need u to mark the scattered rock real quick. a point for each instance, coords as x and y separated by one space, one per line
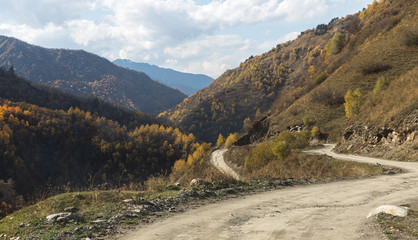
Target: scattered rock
130 200
389 209
71 209
99 221
64 217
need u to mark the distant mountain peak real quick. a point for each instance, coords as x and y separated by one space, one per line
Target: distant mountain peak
188 83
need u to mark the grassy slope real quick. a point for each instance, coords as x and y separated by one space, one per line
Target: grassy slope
384 47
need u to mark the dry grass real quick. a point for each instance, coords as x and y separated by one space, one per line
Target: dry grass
380 52
313 167
410 36
385 107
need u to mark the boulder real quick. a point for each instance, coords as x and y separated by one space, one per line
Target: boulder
389 209
198 182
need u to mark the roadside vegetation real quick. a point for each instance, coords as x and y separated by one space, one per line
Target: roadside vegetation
397 228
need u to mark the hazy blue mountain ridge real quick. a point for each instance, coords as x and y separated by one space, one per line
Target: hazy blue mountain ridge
188 83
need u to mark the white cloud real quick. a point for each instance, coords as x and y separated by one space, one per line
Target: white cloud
182 34
30 34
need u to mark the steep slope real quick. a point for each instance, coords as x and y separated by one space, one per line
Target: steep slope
242 95
384 47
185 82
303 82
82 73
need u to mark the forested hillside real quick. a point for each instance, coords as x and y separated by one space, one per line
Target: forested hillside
17 89
245 94
85 74
53 146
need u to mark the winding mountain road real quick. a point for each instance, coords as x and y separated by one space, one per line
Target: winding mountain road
335 210
217 160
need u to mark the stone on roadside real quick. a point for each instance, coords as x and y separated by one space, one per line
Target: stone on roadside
198 182
389 209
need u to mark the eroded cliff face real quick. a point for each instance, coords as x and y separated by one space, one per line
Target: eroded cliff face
396 142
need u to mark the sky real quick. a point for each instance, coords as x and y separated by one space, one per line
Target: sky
195 36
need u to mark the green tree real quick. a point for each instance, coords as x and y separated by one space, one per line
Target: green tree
353 102
335 44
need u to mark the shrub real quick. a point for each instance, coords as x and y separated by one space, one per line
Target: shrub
259 157
335 44
328 97
380 84
280 149
296 140
156 183
302 139
354 26
306 121
353 102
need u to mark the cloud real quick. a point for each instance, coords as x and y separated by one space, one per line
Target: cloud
199 36
30 34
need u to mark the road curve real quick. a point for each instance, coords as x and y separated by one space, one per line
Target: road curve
217 160
335 210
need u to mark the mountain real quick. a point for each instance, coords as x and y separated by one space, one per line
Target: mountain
82 73
304 82
17 89
186 82
45 144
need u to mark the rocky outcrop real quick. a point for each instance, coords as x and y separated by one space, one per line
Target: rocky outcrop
397 143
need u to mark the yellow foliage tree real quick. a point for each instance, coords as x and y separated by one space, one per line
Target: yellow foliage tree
353 102
232 138
315 133
220 141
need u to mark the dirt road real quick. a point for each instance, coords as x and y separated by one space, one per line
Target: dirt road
325 211
217 160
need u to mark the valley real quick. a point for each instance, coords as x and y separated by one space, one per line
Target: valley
299 142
